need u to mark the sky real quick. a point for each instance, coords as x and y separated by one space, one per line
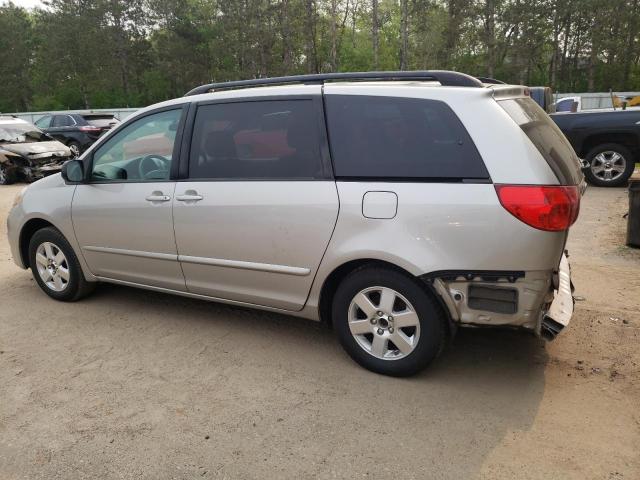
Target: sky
25 3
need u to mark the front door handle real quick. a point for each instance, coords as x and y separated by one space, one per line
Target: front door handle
157 197
189 196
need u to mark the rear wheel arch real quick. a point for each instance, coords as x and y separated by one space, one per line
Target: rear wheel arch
333 280
27 232
627 140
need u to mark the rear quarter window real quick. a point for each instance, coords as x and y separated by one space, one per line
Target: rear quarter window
399 138
546 137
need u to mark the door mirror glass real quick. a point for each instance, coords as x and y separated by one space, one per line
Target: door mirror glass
73 171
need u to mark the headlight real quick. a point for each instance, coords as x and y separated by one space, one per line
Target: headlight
18 199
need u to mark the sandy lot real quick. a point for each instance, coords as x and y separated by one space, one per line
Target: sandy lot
133 384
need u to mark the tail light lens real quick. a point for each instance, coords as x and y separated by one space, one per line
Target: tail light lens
549 208
89 129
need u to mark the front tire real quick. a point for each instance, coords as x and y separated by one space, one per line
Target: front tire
75 148
387 322
55 266
610 165
6 178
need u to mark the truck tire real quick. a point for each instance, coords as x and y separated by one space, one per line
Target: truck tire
610 165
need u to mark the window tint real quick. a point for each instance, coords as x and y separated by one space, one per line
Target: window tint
389 137
63 121
547 138
141 151
44 122
260 139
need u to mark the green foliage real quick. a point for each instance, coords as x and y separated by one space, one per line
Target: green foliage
118 53
16 44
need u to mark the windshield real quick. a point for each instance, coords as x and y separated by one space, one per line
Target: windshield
21 133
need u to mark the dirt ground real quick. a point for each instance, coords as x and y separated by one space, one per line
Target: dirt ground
133 384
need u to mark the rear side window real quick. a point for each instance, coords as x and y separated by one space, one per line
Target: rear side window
547 138
404 138
44 122
256 140
63 121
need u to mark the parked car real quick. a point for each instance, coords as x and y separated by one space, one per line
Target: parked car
609 141
26 153
385 208
77 131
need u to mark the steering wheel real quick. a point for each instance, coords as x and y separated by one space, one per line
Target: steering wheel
153 167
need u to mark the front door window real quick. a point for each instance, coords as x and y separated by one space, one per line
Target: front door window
140 152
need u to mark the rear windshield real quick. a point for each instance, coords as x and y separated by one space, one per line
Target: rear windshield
100 120
399 138
547 138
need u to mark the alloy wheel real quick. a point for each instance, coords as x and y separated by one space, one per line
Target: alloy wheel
384 323
608 165
52 266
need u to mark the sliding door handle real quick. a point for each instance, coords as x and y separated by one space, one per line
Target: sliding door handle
189 196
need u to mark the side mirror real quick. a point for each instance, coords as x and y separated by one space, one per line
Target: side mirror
73 171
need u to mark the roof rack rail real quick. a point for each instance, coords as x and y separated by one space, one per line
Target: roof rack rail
444 77
491 81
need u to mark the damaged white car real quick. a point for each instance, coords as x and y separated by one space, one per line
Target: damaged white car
27 153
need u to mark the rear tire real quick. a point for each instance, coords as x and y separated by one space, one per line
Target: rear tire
55 266
610 165
387 322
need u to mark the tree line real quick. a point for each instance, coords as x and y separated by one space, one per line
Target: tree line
119 53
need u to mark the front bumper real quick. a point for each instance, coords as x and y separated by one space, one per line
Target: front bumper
13 234
561 310
46 169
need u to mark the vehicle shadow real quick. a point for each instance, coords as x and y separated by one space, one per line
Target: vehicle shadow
288 382
192 386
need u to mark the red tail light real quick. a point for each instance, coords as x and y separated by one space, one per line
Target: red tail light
550 208
89 129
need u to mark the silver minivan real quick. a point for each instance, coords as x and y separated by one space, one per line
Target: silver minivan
395 206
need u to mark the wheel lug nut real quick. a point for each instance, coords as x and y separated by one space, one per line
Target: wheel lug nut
380 331
390 318
374 321
380 313
390 329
